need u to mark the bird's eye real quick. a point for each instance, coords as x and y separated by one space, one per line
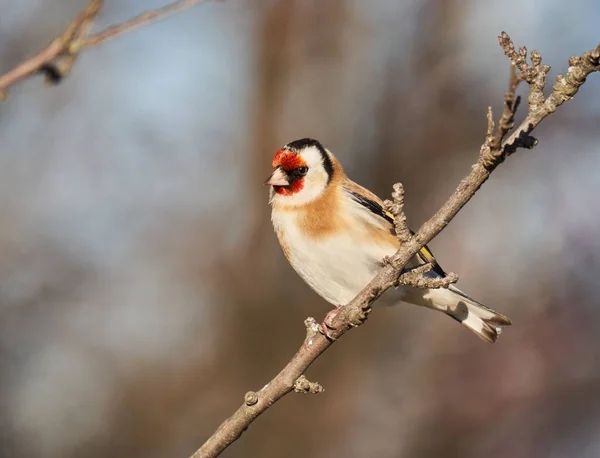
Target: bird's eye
302 170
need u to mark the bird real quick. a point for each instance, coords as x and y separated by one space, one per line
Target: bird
336 234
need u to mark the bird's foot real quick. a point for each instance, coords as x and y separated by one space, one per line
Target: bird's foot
327 326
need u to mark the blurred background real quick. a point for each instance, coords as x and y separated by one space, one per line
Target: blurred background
142 289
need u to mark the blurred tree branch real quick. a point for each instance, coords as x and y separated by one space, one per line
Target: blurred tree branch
499 143
56 60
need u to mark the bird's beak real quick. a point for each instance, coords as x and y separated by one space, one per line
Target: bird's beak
278 178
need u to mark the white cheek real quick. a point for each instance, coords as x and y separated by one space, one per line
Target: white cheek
315 181
314 184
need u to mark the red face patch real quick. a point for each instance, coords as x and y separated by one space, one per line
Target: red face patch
293 188
288 161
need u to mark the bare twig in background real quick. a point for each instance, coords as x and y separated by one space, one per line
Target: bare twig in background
139 21
493 152
56 60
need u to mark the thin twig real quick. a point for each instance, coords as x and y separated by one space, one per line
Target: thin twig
396 208
354 313
416 278
511 104
56 60
49 61
141 20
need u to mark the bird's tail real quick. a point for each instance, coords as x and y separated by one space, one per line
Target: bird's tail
484 322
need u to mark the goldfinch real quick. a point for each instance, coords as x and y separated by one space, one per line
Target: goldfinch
335 234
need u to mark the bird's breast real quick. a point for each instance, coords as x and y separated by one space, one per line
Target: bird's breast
337 263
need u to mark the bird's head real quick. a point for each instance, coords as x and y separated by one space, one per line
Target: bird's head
302 170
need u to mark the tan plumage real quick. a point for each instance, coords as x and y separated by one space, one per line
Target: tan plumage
335 233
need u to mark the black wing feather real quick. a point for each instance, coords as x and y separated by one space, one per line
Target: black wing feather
372 206
425 255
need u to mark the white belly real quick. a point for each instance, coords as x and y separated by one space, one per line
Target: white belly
336 267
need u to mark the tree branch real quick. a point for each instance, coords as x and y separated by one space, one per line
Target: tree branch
493 152
56 60
417 278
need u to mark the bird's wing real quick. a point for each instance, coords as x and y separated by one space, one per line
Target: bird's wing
375 205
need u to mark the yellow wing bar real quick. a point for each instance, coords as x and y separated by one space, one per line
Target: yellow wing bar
425 253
